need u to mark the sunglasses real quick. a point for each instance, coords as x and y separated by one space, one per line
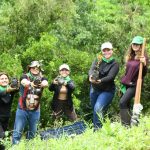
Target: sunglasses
106 50
64 69
135 44
35 68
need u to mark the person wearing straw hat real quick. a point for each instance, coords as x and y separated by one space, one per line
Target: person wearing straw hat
101 76
28 111
129 80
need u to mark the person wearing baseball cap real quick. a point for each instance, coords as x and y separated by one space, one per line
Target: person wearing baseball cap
63 87
129 80
101 76
106 45
137 40
64 66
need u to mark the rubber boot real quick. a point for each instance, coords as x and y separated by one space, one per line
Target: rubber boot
125 117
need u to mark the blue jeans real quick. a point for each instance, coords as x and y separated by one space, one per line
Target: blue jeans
24 117
100 100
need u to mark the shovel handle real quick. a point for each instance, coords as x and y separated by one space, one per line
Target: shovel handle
139 81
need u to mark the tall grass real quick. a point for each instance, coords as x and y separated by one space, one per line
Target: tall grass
112 136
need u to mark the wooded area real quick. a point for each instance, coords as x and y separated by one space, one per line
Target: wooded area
70 31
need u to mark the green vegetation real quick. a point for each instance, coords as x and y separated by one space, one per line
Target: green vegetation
112 136
71 31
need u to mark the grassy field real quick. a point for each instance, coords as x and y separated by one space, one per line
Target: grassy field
111 137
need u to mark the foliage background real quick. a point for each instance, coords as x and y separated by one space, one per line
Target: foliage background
70 31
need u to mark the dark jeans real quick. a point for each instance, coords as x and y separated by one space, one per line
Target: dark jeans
100 100
63 108
126 98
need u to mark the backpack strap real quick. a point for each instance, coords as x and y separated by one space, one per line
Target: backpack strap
23 97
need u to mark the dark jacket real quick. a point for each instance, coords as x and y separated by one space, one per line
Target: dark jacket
107 74
56 88
5 103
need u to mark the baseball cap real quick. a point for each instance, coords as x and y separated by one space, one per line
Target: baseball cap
64 66
137 40
106 45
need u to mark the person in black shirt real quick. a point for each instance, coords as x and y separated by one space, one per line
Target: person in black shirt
101 75
63 87
6 98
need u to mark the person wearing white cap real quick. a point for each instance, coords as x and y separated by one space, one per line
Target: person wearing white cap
63 87
28 111
101 76
64 66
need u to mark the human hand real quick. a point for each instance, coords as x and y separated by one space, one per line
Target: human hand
65 83
98 81
91 79
44 83
25 82
10 89
143 60
55 81
94 81
32 84
137 108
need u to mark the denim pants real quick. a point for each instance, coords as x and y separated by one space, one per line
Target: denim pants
100 100
23 118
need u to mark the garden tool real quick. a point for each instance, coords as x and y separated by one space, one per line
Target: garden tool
137 107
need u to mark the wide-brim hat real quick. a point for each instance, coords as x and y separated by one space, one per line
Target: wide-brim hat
35 64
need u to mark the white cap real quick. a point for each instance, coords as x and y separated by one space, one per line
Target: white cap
106 45
64 66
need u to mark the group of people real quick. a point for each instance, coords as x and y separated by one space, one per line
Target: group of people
30 89
102 89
